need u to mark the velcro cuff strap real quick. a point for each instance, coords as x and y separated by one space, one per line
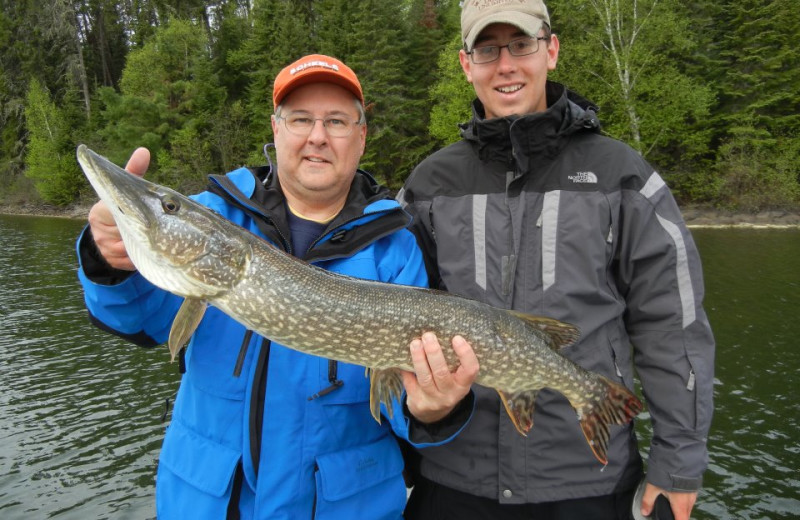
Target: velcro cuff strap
686 483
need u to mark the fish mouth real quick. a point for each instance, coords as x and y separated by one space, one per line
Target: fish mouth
124 193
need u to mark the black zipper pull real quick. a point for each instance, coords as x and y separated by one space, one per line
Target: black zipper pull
325 391
335 383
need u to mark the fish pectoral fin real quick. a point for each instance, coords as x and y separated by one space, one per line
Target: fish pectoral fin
185 323
384 386
609 403
519 407
562 334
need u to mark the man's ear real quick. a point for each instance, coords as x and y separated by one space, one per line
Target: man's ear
552 52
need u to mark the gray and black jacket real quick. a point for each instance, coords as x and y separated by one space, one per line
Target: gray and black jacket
545 215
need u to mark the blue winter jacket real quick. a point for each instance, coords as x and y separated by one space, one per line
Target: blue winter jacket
258 429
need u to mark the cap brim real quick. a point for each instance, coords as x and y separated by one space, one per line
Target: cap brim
319 76
528 23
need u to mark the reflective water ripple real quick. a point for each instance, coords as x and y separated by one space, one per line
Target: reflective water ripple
80 411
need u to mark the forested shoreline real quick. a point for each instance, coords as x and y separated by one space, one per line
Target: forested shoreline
708 92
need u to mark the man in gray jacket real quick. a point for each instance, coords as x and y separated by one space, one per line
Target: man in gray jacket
535 210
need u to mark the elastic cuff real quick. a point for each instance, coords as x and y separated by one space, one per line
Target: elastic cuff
443 429
95 266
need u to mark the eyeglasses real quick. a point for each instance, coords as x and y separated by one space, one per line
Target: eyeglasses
302 124
519 47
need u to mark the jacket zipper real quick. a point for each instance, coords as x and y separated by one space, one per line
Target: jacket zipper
256 413
237 370
314 502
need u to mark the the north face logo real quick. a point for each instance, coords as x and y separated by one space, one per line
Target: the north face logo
583 178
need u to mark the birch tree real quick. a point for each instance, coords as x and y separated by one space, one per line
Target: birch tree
629 57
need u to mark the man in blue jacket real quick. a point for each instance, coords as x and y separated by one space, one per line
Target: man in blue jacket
259 430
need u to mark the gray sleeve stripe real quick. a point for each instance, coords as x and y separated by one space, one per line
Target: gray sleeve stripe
654 183
549 237
479 238
682 271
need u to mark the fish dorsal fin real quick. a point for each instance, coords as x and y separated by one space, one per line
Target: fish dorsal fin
562 334
185 323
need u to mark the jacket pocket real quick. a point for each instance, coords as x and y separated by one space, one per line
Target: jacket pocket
203 464
364 481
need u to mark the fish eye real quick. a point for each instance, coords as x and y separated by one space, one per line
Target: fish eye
170 204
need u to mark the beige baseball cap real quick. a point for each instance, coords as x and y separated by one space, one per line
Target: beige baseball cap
476 15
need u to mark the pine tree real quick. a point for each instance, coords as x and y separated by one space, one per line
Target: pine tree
758 117
280 35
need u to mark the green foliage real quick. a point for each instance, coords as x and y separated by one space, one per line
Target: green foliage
127 122
187 163
229 136
170 94
280 35
451 96
382 72
626 56
707 91
50 154
759 172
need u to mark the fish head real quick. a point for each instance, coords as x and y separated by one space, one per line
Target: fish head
176 243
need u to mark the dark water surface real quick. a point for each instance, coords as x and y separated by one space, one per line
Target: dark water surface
753 303
80 411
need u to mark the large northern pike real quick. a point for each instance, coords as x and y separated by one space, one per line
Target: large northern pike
186 249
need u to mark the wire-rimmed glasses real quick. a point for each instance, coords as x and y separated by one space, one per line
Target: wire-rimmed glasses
301 124
518 47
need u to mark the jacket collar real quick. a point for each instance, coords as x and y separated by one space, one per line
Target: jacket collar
369 212
545 133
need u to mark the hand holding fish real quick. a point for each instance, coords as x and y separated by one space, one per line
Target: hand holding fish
435 391
103 226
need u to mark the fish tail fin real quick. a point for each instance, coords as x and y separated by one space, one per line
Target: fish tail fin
610 403
519 407
384 386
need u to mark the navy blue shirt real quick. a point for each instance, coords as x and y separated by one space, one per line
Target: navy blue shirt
303 232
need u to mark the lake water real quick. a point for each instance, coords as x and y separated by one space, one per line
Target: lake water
81 411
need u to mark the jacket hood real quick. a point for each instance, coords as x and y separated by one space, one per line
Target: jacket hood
370 212
540 133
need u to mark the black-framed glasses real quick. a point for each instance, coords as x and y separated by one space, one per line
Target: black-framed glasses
301 124
518 47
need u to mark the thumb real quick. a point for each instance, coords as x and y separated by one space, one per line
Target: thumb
139 161
649 498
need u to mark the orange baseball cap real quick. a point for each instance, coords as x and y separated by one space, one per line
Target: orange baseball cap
315 68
